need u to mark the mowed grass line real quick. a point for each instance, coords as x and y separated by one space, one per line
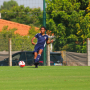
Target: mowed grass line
45 78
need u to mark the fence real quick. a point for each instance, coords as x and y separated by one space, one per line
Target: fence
74 59
69 58
77 59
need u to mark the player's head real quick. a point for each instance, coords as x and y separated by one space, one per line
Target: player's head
43 29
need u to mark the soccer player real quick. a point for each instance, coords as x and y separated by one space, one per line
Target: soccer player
42 40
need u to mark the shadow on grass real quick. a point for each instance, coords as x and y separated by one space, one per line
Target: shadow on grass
31 67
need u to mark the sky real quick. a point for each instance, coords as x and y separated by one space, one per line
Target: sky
30 3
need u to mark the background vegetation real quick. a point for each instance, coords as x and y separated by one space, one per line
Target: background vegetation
19 43
67 19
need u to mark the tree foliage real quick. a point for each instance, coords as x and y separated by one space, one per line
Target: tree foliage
8 5
68 20
24 15
83 4
18 42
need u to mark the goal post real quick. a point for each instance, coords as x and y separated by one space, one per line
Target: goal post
44 24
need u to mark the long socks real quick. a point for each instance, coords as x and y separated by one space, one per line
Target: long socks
38 57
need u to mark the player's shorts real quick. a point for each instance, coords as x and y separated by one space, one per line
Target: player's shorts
37 48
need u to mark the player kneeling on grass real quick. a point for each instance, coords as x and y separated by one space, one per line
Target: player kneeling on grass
42 40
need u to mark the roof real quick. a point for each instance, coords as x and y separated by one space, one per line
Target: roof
22 29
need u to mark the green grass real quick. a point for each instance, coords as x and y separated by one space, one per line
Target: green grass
45 78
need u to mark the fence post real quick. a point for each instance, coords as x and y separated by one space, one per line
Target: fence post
63 54
10 52
88 51
48 55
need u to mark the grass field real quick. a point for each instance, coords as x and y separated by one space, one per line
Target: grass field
45 78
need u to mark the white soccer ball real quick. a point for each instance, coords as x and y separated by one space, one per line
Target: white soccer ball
21 63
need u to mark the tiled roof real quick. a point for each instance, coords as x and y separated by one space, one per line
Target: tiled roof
22 29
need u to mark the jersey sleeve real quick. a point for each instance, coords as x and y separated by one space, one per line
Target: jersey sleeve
36 35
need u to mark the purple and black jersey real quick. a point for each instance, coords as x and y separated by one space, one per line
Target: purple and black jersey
41 42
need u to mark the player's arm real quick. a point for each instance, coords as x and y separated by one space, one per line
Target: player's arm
48 42
33 40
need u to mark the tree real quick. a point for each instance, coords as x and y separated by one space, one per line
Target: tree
24 15
7 33
18 42
88 16
8 5
66 19
83 4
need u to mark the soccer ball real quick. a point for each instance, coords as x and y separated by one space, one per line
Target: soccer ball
21 63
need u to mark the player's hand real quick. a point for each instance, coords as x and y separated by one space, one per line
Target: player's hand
33 43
